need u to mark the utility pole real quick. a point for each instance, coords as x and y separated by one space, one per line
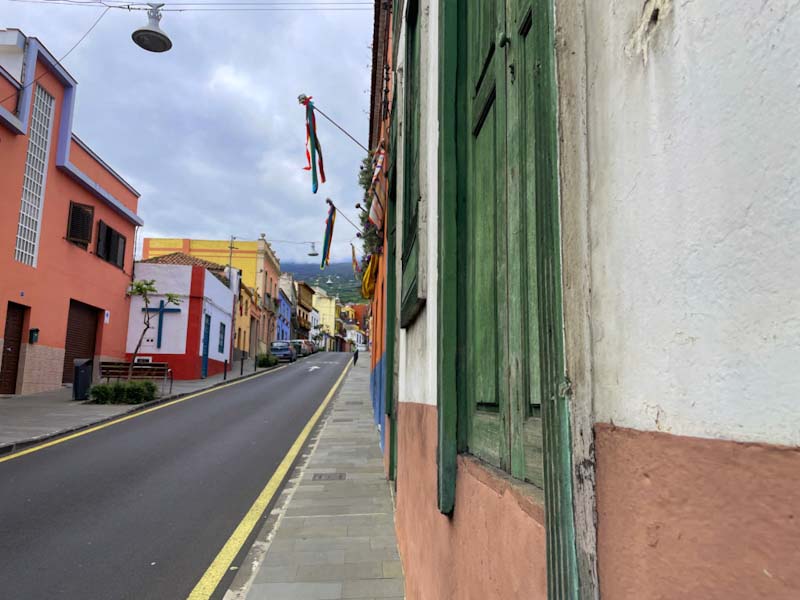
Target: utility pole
235 296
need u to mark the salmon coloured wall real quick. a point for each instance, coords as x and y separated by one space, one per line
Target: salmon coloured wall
63 271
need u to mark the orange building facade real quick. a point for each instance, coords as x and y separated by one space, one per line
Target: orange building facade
381 322
67 229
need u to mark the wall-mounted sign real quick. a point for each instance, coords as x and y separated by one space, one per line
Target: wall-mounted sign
107 317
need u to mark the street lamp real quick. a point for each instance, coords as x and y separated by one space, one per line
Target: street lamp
150 37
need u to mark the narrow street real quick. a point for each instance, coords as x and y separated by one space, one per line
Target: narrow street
141 508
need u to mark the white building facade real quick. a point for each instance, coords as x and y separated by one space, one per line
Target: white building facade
194 336
666 140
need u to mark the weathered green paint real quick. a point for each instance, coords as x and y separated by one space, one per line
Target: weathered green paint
391 317
562 580
390 299
451 113
500 150
410 302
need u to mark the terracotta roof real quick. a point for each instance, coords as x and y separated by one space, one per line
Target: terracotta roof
179 258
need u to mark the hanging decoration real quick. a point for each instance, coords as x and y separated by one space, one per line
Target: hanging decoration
326 243
370 277
356 266
313 147
376 211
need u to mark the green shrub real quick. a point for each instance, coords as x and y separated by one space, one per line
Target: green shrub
267 360
124 392
101 394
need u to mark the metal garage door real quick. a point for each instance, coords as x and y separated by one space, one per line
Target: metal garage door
81 333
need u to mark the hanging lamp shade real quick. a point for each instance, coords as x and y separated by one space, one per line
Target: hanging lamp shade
151 37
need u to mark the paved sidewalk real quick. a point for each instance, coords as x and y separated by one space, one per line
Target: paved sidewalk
335 538
26 419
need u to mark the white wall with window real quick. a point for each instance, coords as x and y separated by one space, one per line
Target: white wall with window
218 303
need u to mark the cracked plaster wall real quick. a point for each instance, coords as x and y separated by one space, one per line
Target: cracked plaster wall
694 159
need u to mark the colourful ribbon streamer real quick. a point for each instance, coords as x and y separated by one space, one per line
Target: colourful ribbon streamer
356 267
326 243
313 147
376 212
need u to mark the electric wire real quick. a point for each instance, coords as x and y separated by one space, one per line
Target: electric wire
83 37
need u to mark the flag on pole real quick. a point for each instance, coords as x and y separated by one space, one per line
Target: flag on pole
313 147
326 243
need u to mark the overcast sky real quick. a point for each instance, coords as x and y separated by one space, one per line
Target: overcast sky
210 133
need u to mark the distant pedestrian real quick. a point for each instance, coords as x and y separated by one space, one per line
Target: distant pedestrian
355 356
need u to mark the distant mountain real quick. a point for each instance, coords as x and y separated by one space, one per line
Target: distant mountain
344 284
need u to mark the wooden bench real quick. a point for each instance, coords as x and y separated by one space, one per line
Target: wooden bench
141 371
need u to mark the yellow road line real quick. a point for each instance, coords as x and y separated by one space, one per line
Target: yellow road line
219 567
127 417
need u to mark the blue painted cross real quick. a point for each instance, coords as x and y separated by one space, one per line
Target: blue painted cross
161 310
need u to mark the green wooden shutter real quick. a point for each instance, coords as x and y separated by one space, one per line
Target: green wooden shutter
500 211
410 302
526 246
485 257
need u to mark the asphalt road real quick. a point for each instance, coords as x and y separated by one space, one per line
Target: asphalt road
140 509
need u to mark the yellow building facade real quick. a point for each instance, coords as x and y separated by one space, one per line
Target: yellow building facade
327 307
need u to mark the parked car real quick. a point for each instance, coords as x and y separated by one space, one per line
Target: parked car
299 347
283 351
361 347
309 345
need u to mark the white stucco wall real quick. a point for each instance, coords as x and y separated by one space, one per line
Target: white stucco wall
217 302
694 160
11 55
418 344
175 279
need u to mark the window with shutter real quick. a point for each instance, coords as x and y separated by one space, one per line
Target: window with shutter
102 240
79 224
120 251
110 245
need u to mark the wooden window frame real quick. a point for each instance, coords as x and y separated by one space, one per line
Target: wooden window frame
73 239
221 344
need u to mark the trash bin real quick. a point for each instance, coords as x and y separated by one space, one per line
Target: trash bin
82 378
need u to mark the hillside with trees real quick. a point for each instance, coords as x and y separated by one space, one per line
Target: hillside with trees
343 283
